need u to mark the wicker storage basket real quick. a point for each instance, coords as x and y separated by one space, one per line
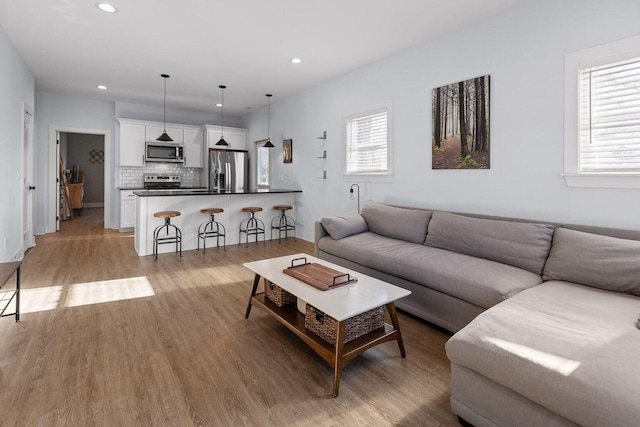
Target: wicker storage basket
326 327
278 295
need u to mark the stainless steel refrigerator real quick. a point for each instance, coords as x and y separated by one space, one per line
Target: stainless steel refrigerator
228 170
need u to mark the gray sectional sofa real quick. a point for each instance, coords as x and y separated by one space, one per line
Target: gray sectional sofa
545 315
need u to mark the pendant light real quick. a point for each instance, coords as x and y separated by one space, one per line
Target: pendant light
164 136
222 141
268 144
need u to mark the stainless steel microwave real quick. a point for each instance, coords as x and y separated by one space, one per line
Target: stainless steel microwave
169 152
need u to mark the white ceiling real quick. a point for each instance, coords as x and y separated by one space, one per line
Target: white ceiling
71 46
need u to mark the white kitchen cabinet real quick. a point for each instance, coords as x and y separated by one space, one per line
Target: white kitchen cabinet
132 138
154 131
236 137
193 151
127 209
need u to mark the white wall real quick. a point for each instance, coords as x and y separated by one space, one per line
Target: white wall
65 112
16 88
523 51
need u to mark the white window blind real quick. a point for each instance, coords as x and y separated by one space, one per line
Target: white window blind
367 143
610 117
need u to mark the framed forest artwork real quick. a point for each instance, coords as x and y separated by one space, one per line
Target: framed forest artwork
460 131
287 150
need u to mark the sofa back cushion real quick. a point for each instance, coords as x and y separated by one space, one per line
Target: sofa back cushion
520 244
345 225
600 261
405 224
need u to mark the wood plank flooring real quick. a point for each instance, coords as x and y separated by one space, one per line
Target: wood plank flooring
110 338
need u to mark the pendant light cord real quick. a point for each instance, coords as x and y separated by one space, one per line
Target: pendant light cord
164 106
222 112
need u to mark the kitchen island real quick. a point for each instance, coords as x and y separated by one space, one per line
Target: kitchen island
189 202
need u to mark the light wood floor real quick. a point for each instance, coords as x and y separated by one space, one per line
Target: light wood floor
110 338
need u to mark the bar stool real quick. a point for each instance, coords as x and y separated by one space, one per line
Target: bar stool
283 223
176 238
211 228
251 225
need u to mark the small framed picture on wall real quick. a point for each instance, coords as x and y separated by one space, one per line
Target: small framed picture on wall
287 151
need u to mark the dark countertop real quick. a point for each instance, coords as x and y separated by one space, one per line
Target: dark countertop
142 188
206 192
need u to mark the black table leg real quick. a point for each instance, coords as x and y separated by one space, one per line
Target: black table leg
256 281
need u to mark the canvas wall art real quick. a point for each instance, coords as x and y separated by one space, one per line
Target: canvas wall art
460 127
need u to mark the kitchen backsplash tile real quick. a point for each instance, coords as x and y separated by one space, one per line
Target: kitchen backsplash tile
131 176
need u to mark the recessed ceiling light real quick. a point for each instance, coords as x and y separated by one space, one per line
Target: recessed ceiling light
218 105
102 87
296 60
106 7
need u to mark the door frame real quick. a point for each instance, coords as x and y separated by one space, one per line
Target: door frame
28 179
54 173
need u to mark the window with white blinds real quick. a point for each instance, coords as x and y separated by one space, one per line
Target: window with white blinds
610 117
367 142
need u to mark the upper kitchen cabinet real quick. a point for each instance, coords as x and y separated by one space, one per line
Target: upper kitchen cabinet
154 131
132 138
193 152
236 137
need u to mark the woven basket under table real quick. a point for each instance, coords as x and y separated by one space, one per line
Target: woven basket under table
326 327
279 296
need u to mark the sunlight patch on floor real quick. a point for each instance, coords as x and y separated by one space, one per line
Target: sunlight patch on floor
40 299
108 291
78 294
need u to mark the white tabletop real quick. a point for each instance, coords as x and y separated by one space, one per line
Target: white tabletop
340 303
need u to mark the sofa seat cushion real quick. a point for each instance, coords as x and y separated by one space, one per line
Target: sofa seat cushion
570 348
477 281
520 244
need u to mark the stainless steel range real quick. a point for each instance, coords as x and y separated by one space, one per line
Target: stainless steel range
155 181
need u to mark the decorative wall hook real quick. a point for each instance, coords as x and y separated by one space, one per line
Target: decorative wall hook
324 135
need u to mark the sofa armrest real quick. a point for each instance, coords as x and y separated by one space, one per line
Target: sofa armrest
319 234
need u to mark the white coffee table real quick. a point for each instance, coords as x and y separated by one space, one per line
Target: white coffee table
340 303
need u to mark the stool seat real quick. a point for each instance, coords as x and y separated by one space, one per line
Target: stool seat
166 214
211 210
252 209
283 207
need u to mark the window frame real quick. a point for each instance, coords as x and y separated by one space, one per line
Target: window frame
258 147
363 112
599 55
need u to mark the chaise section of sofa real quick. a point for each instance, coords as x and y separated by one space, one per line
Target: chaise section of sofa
561 353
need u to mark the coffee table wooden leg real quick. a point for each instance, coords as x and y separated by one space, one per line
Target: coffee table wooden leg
338 361
256 282
396 325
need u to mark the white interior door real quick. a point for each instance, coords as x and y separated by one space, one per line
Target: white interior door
28 239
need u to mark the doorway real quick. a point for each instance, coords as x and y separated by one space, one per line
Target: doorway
82 158
28 162
55 134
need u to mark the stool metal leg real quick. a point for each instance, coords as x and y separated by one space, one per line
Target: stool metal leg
284 224
206 229
157 240
251 225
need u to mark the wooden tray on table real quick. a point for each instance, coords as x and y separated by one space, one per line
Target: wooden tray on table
317 275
